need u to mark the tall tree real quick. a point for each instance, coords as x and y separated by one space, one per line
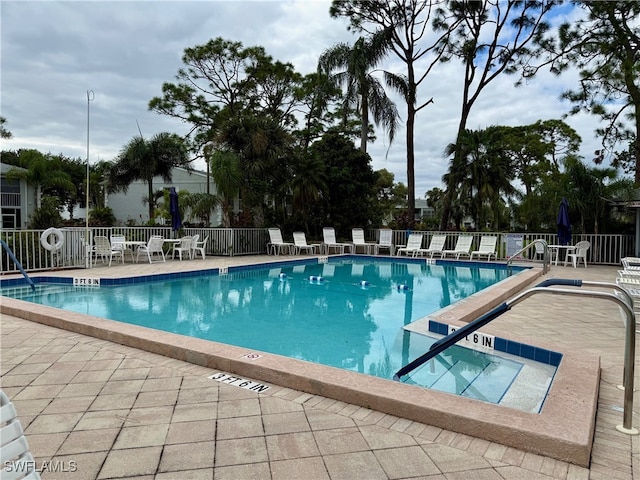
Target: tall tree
348 201
227 174
144 159
364 90
605 47
407 22
4 133
308 181
485 174
493 37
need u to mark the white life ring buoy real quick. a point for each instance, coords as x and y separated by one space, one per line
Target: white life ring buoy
59 239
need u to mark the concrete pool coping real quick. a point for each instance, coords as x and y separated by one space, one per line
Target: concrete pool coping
563 430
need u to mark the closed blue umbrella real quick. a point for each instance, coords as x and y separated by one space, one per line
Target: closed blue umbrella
174 210
564 225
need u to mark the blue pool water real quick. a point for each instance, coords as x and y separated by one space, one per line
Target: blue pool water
347 314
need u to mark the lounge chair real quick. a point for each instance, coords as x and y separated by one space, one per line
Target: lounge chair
385 242
153 247
631 263
197 246
300 242
185 246
435 246
102 248
487 248
357 235
414 243
277 244
17 460
463 247
330 242
579 253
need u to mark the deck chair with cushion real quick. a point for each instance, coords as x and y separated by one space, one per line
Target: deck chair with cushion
17 460
385 242
463 247
631 263
357 235
436 245
487 248
300 242
579 253
153 247
277 245
330 242
414 243
102 248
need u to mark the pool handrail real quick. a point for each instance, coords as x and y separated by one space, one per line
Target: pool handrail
623 299
18 264
546 259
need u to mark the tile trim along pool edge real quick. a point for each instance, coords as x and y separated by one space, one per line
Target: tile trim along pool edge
563 430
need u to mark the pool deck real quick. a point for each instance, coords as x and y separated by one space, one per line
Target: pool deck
111 411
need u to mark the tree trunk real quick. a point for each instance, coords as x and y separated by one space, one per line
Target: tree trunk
150 193
411 182
364 123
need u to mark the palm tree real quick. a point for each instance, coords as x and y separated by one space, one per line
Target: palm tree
483 175
143 160
4 133
364 91
40 172
227 175
308 180
201 205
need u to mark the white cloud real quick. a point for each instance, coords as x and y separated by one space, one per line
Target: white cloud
54 51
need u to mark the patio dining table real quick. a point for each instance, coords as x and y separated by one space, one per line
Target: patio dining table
554 251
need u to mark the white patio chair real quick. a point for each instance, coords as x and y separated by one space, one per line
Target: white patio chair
487 248
436 245
118 243
357 235
463 247
17 462
102 248
277 244
539 251
300 242
153 247
200 247
414 243
185 246
385 242
579 253
330 242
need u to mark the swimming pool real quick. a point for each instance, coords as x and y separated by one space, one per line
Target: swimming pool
563 429
346 313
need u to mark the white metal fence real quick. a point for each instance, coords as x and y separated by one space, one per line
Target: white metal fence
26 246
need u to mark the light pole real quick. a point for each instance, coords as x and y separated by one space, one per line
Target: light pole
87 241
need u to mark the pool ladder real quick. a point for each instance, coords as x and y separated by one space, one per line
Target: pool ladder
18 264
621 297
546 258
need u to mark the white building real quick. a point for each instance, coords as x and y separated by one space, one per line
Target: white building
16 199
129 207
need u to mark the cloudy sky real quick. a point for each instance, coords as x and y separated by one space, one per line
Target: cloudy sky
53 52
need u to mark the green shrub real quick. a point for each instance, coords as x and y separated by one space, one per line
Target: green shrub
102 217
48 215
